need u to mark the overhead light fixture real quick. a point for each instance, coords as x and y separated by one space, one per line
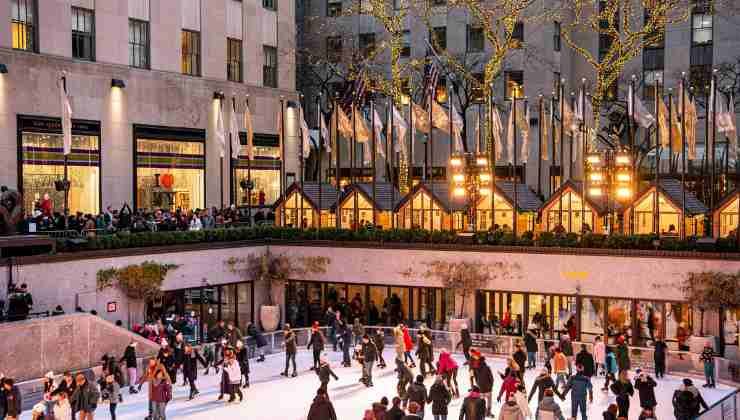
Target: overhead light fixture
3 69
219 95
116 83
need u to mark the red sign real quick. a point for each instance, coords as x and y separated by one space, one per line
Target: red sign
112 306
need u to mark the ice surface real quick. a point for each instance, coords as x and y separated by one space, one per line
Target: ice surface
272 396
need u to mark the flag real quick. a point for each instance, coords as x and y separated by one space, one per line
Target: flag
361 129
280 132
401 128
345 125
457 126
640 114
421 118
545 122
497 129
663 123
709 151
477 133
726 124
569 118
378 128
675 127
66 117
523 124
221 130
305 134
250 133
234 132
353 93
690 121
431 76
324 132
440 119
510 137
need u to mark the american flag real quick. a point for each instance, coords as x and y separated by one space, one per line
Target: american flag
431 77
354 92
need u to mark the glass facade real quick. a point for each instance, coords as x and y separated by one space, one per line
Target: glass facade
23 24
306 302
200 308
728 218
356 208
570 214
170 174
294 216
42 165
669 222
422 213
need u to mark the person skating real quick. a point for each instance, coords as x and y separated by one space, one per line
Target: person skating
84 399
346 342
160 394
623 354
291 348
218 336
232 334
707 358
178 352
548 407
259 340
61 409
424 352
645 386
357 331
508 387
405 376
440 397
510 411
687 401
473 406
585 359
579 385
167 358
11 400
560 368
321 407
224 387
466 341
242 357
148 376
530 343
611 368
379 340
233 377
190 368
129 357
417 393
483 379
566 346
408 344
395 412
599 356
317 341
110 392
611 412
542 383
370 353
325 373
400 343
447 368
520 357
623 390
659 355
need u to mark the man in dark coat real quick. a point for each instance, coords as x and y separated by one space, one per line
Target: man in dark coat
622 354
84 399
291 348
586 359
405 376
530 343
466 341
11 401
190 368
473 406
541 384
520 357
346 338
370 354
424 352
317 342
395 412
687 401
659 357
379 340
418 392
167 359
325 373
259 340
645 386
321 408
483 379
439 397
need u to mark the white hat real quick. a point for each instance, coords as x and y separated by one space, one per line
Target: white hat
239 343
464 326
49 375
39 408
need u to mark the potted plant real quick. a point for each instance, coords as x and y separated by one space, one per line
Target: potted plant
464 278
271 271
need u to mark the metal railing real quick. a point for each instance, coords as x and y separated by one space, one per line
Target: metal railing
724 409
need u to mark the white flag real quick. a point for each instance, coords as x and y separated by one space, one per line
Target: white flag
457 126
221 130
510 137
726 123
66 118
378 127
324 132
525 136
250 132
401 128
639 113
234 132
305 135
497 128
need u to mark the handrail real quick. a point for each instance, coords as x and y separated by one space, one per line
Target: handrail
717 410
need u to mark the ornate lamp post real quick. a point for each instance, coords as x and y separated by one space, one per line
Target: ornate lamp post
609 175
471 179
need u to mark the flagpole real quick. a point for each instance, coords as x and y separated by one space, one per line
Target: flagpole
337 170
670 131
391 156
221 160
282 159
410 151
302 159
562 149
583 162
232 167
249 171
372 113
320 124
550 183
572 139
656 206
514 213
353 152
683 155
492 157
431 153
714 143
633 154
539 147
66 167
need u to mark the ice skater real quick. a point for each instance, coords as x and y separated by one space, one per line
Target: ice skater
259 340
317 341
408 344
190 368
242 357
233 375
405 376
325 373
379 340
370 354
289 342
425 352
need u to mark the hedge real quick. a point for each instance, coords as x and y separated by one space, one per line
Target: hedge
123 240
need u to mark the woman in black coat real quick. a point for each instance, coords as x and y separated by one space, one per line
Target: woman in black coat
242 356
439 397
259 340
645 386
190 368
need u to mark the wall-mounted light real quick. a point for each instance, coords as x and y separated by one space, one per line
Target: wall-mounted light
219 95
117 83
3 69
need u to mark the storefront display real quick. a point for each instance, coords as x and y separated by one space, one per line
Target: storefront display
263 172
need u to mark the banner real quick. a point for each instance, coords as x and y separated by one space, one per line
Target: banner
66 117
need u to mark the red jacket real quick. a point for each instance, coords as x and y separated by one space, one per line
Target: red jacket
508 387
446 363
407 339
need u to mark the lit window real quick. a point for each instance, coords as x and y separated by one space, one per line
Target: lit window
406 44
334 49
83 34
23 24
701 28
269 4
190 53
333 8
514 84
170 174
517 35
367 44
234 60
138 43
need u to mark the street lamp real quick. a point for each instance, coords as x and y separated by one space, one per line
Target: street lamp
472 179
609 175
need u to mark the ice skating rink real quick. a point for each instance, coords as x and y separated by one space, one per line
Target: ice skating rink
275 397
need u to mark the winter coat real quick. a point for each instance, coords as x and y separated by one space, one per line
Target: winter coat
316 341
707 356
510 411
587 360
129 356
540 385
417 393
369 351
622 389
445 363
217 333
599 352
110 392
150 374
11 402
566 346
85 398
660 351
530 342
523 403
190 364
646 391
242 356
379 340
291 346
520 357
623 357
424 347
548 404
483 377
580 385
400 342
440 398
465 340
233 371
379 410
407 343
62 410
687 402
473 407
161 390
404 373
395 413
611 363
259 339
509 387
232 336
559 363
321 409
325 372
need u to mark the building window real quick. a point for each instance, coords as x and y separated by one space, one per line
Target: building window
190 53
83 34
653 63
367 44
406 44
400 4
42 166
440 91
269 4
517 34
514 84
334 49
138 43
556 83
234 60
269 68
438 38
556 37
476 41
701 28
23 24
333 8
478 93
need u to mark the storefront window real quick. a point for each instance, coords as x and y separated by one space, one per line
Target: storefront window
170 174
539 318
649 321
228 303
728 219
571 213
296 217
43 166
266 186
399 305
364 211
669 216
244 305
426 213
678 321
504 215
564 313
619 319
592 318
732 325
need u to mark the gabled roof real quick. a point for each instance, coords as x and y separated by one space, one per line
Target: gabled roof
729 197
439 192
598 204
526 199
386 195
311 194
671 190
